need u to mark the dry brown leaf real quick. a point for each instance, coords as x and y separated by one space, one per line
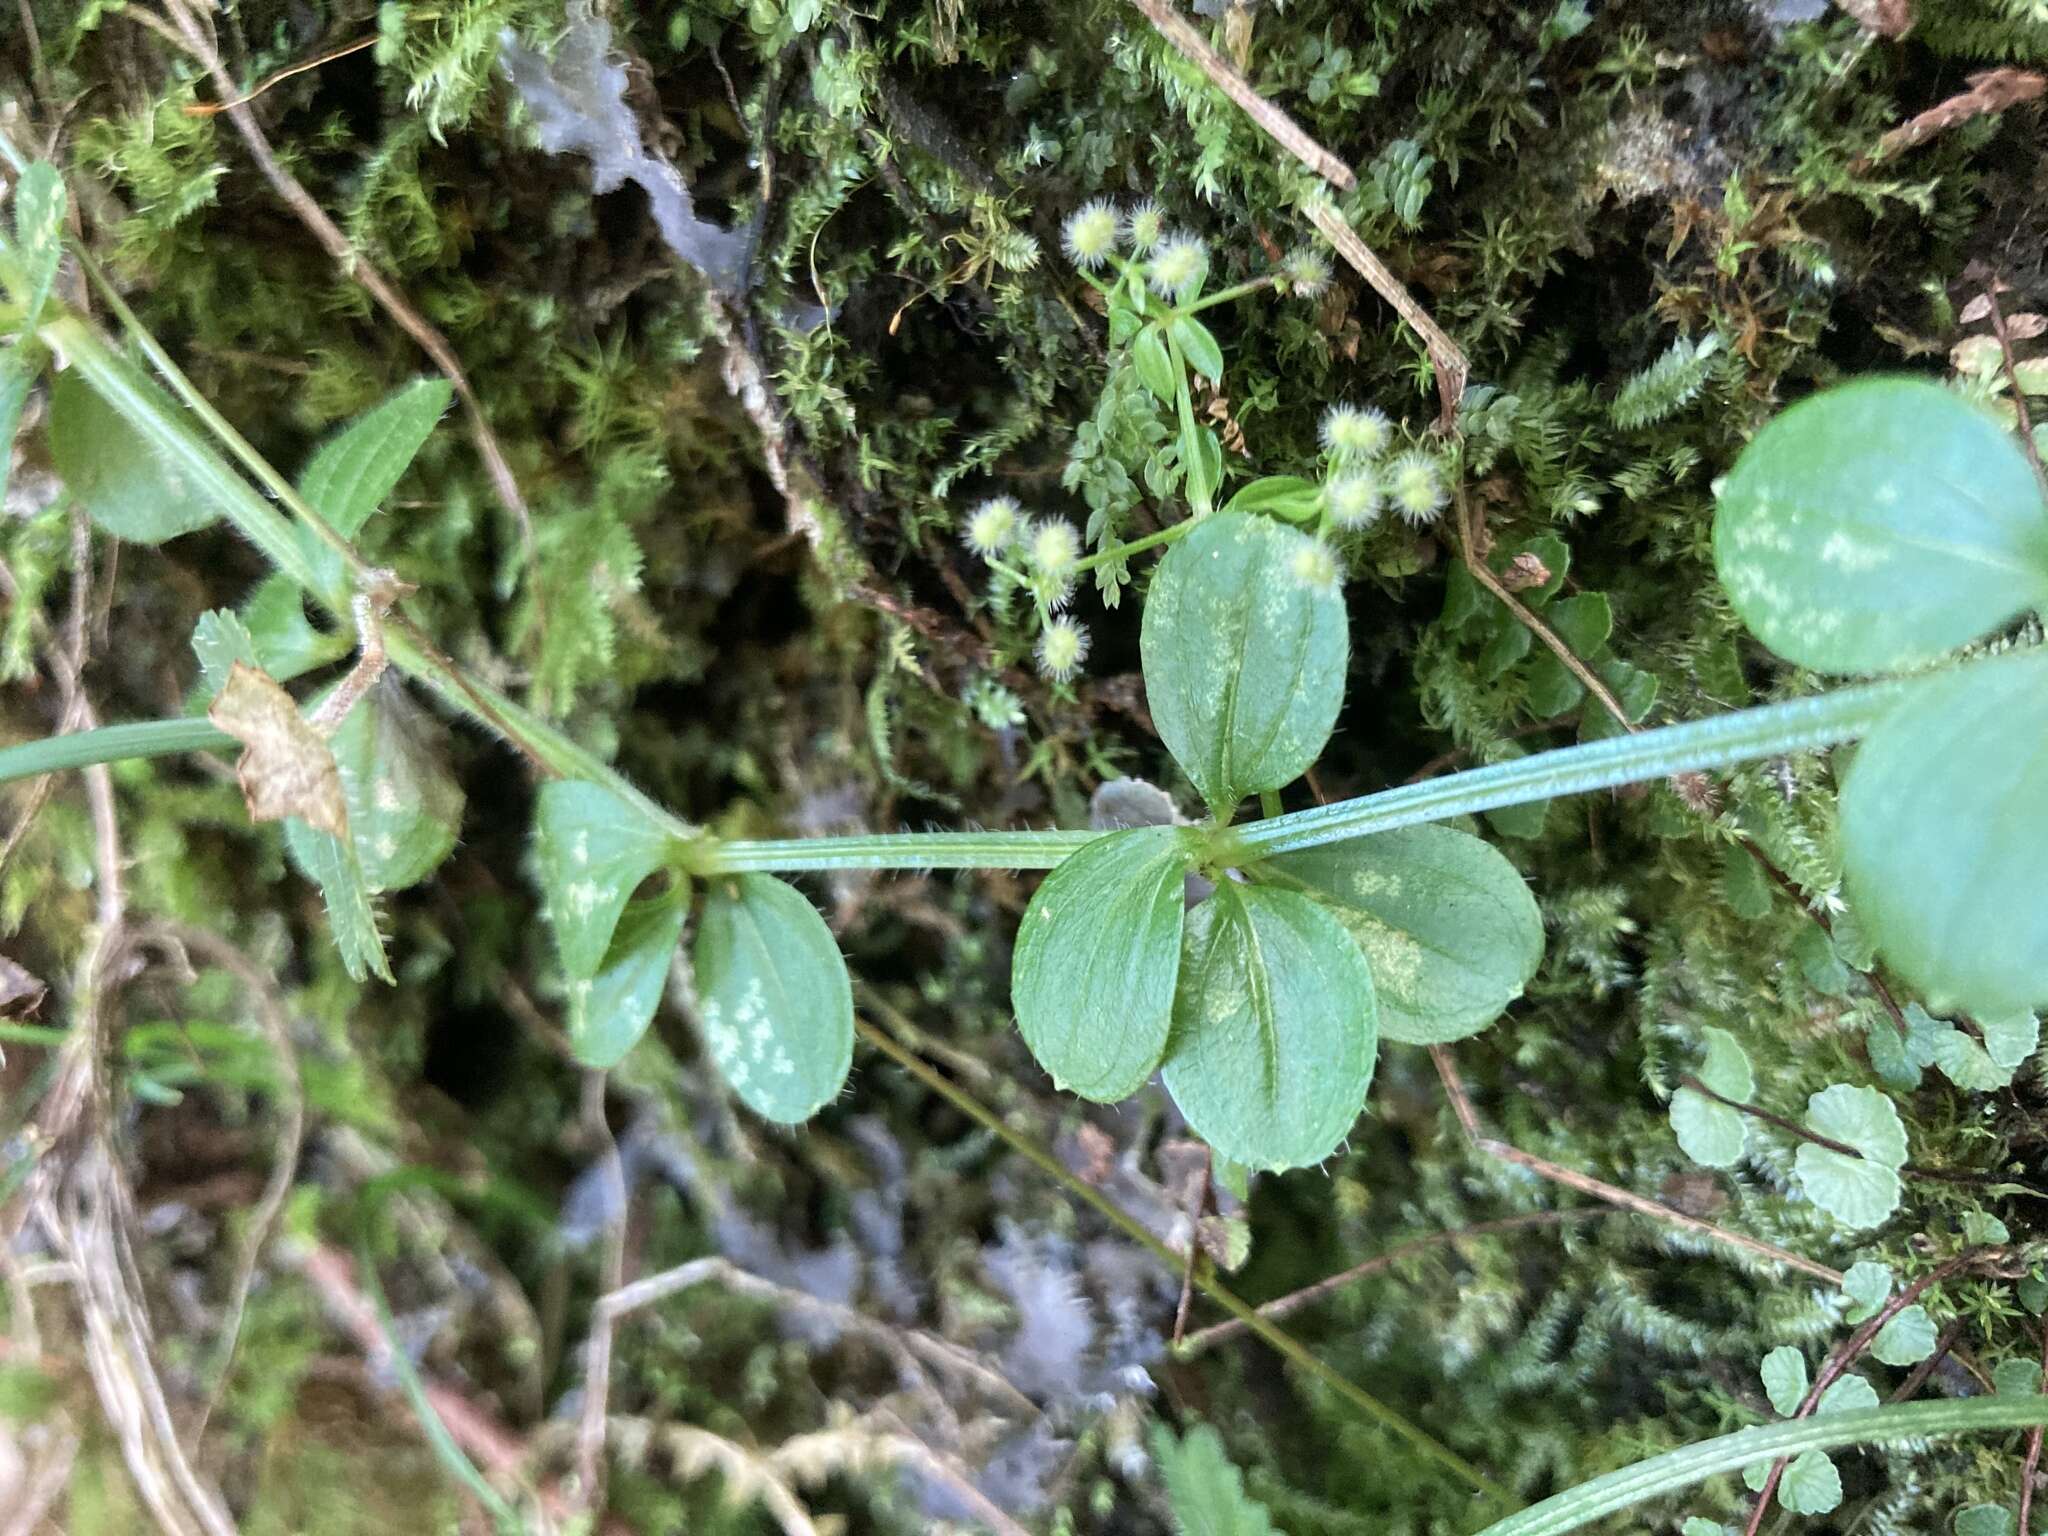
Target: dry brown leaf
21 993
1887 18
286 768
1523 572
1991 90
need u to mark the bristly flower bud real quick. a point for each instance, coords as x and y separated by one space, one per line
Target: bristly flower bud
1415 486
992 526
1055 548
1090 234
1314 565
1062 647
1145 227
1354 499
1305 272
1356 432
1177 268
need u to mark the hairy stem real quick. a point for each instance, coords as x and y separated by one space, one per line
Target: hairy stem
1674 1470
1700 744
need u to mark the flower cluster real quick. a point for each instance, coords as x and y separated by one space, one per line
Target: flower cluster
1363 483
1043 557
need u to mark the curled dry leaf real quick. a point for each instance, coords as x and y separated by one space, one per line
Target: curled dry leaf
286 768
21 992
1991 90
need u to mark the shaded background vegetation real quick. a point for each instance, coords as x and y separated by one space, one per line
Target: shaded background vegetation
1648 225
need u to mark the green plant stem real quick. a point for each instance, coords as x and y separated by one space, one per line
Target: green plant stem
1136 546
1691 1464
1225 295
1280 1340
1700 744
111 744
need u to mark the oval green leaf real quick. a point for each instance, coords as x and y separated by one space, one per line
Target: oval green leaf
609 1012
1244 661
777 1007
356 469
1446 922
1287 496
1097 956
1155 367
127 487
1878 526
591 848
1274 1028
1197 344
1944 825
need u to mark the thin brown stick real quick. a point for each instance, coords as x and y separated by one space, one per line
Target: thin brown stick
1468 1120
910 1344
1917 1377
1445 355
261 991
209 108
1279 127
1468 551
1447 358
198 42
2019 401
1794 1129
2033 1462
1848 1353
1293 1301
597 1358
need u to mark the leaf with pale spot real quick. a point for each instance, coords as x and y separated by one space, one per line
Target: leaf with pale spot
1986 1520
591 848
1097 956
1274 1027
40 202
1858 1191
1944 826
609 1012
1244 661
774 997
1878 526
1446 922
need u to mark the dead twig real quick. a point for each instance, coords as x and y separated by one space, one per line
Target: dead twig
1847 1354
597 1358
1445 355
2012 375
1990 90
908 1345
1279 127
196 40
2033 1462
1294 1301
1642 1205
256 983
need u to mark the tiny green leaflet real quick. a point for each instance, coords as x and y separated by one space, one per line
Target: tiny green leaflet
351 474
1274 1027
1708 1131
1244 661
774 995
1446 922
1097 956
1859 1189
1878 526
